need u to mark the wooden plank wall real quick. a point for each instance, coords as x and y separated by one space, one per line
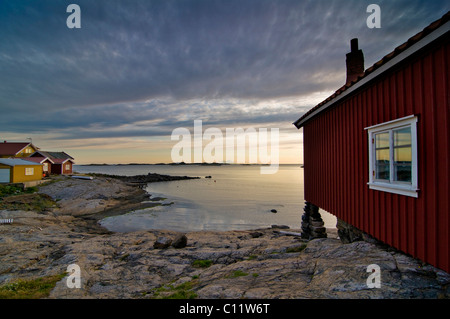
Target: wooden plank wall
336 158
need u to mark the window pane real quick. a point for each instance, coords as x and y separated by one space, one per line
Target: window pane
382 161
402 137
382 140
402 155
383 156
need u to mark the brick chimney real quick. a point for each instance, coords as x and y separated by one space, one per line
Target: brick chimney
355 62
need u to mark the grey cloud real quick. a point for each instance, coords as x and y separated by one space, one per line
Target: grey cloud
175 52
152 118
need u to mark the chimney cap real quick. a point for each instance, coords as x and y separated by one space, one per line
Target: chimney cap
354 44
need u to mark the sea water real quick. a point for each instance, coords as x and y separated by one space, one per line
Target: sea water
235 197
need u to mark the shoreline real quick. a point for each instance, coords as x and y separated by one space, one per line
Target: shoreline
134 197
260 263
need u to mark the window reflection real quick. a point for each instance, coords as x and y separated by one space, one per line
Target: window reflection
402 155
382 163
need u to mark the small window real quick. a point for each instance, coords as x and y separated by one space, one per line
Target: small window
29 171
67 167
393 156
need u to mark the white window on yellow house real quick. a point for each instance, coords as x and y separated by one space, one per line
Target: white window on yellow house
29 171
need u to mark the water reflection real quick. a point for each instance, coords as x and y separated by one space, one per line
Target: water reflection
234 198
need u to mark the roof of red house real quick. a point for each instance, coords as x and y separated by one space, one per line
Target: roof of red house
53 155
62 160
398 50
7 148
39 159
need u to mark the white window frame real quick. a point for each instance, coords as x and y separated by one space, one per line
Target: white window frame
29 171
391 186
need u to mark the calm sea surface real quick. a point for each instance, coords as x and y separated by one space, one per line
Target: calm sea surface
236 197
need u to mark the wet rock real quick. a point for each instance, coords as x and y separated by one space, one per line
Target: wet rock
280 226
256 234
162 243
180 241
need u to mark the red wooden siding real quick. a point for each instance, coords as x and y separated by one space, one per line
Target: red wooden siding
67 167
336 158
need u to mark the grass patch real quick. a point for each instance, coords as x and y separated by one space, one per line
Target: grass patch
296 249
11 190
27 202
183 291
237 273
31 288
202 263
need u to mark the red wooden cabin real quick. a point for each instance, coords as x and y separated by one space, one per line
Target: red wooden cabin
377 152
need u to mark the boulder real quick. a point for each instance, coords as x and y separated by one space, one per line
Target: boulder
162 243
180 241
280 226
256 234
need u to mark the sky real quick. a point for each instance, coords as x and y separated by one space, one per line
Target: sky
114 90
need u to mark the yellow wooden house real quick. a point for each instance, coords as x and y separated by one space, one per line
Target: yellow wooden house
15 170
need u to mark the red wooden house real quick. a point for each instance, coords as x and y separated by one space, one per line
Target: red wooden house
377 152
61 162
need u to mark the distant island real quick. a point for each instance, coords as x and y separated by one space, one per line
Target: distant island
171 164
183 163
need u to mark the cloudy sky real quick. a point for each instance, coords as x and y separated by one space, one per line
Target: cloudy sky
115 89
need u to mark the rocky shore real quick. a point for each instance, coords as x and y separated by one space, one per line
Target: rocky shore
264 263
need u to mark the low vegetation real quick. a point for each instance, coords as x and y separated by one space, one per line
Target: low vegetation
296 249
14 197
12 190
237 273
28 202
30 289
182 291
202 263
